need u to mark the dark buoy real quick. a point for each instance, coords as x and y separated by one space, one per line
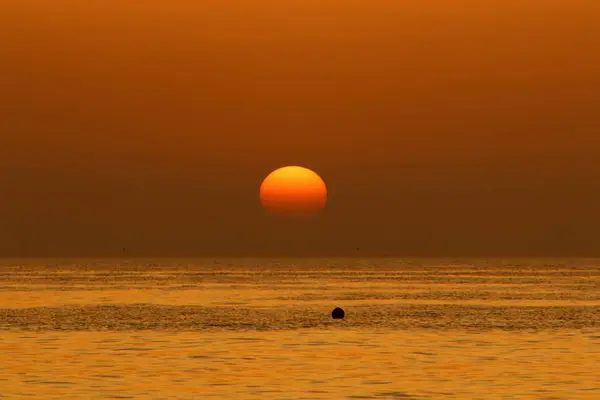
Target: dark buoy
337 313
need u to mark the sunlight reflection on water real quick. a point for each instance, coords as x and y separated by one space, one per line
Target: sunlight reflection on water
412 331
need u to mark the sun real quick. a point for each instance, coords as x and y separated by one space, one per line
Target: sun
293 192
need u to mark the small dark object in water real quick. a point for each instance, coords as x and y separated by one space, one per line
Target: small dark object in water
337 313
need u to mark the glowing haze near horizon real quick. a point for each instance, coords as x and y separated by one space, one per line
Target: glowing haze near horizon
460 128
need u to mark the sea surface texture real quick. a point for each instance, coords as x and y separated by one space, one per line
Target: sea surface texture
262 329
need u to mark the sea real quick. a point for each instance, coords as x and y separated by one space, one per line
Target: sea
262 328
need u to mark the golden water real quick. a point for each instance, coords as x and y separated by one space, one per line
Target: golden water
261 329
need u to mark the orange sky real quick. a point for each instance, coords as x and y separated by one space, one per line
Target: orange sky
454 127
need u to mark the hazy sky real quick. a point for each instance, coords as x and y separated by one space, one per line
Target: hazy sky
448 127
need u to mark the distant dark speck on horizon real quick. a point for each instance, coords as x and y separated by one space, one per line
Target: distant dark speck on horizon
338 313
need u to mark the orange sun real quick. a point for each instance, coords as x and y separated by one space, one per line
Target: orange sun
294 192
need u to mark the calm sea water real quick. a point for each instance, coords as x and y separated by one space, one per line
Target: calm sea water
261 329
